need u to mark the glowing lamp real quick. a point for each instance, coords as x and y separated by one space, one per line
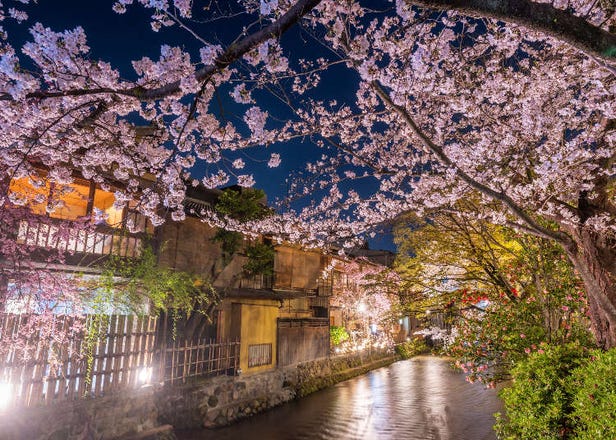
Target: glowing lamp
361 307
6 395
145 375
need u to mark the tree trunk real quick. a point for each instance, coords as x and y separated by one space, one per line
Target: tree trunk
594 259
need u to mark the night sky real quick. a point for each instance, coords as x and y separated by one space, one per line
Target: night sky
121 38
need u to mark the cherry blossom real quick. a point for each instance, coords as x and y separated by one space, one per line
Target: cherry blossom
515 110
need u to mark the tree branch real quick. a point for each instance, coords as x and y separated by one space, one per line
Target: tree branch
233 52
557 23
437 150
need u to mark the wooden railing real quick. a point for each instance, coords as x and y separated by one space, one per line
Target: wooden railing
99 240
257 282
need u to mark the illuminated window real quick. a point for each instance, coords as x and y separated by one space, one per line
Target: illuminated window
68 202
103 200
31 193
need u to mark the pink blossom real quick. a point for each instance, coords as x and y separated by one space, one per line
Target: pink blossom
255 118
268 6
274 160
209 53
245 180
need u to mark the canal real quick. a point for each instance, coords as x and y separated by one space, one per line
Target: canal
417 399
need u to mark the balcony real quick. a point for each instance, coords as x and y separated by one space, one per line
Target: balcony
100 240
60 222
257 282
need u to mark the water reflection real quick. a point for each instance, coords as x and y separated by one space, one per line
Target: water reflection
418 399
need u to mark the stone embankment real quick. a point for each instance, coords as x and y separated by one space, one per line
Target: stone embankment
223 400
153 412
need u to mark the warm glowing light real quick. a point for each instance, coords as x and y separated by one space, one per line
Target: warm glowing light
145 375
6 395
361 307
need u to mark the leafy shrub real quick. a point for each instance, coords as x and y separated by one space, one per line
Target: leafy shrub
243 206
260 259
338 335
538 404
594 401
412 348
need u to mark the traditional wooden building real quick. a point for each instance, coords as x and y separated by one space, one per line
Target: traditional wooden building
281 317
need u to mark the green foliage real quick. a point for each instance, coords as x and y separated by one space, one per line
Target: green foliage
244 205
96 325
408 349
337 335
528 290
594 400
565 392
539 402
230 242
132 281
129 284
260 259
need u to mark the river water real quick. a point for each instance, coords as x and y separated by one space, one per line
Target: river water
417 399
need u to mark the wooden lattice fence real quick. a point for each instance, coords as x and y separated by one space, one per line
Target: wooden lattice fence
121 353
206 358
119 356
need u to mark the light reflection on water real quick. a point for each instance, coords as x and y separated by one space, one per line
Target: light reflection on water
418 399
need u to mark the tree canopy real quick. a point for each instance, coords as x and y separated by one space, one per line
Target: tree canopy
511 102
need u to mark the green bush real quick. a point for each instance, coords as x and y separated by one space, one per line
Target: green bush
337 335
260 259
412 348
564 393
538 404
594 402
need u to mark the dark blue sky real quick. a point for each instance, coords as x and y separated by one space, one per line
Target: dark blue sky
120 39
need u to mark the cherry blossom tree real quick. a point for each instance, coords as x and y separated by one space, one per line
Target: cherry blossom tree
513 100
365 293
506 293
366 283
524 120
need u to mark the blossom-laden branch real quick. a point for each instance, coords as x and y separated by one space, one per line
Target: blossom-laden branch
557 23
516 210
219 63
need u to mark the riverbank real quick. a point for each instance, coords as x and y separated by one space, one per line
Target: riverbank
153 412
223 400
415 399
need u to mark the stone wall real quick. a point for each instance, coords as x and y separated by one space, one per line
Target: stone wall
316 375
120 415
148 412
223 400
